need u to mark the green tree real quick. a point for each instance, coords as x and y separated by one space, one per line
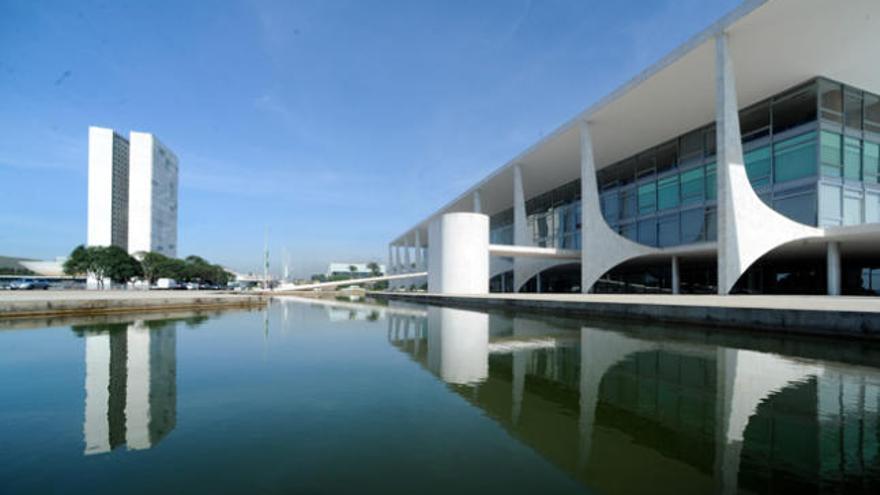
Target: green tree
374 269
117 264
152 265
353 269
103 262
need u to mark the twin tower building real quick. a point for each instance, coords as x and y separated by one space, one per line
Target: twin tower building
132 192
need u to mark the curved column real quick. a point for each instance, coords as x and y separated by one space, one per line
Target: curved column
601 247
523 268
418 250
747 228
458 256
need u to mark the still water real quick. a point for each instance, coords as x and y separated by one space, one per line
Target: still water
330 397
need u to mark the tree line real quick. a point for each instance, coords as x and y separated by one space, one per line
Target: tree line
114 263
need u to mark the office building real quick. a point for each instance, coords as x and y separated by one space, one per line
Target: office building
108 188
132 192
745 161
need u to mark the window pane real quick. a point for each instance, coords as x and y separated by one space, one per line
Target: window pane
711 227
692 186
610 206
711 182
691 145
692 226
755 122
872 207
668 231
628 202
871 165
668 192
758 166
852 108
800 208
852 158
872 113
831 151
792 111
647 197
648 232
852 210
831 101
795 157
629 231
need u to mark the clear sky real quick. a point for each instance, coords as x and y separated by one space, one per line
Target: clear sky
337 124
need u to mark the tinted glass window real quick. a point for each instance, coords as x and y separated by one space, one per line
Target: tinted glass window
667 194
852 158
831 152
692 186
758 166
795 157
792 111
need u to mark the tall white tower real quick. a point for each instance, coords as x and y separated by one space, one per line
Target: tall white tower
108 188
152 196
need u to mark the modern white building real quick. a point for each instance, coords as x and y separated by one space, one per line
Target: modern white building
132 192
152 202
745 161
108 188
361 270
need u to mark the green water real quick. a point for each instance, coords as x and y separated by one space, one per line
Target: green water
354 398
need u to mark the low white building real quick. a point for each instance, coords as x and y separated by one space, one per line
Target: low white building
361 270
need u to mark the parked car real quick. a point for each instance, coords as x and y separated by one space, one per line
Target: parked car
166 283
30 284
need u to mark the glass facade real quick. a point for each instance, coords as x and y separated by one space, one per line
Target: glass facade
812 153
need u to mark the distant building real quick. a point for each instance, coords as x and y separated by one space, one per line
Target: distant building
152 197
361 270
132 192
108 189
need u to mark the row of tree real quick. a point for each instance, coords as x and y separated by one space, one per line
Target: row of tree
114 263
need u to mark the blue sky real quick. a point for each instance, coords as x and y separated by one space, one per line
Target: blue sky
338 124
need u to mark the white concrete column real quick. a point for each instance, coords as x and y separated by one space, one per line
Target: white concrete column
418 250
478 201
520 228
833 272
601 248
390 258
407 260
676 278
458 254
747 227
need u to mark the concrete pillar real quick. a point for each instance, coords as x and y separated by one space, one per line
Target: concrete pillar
601 247
407 260
418 250
747 228
478 201
458 254
520 228
729 154
833 271
390 258
676 278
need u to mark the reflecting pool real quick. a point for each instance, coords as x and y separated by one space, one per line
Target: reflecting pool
333 397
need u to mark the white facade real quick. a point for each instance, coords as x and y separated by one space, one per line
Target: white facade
761 51
108 188
152 204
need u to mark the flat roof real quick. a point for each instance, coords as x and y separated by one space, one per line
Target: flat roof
774 44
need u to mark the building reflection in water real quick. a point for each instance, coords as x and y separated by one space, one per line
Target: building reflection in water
633 411
130 384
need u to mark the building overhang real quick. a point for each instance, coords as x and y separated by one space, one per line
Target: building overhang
775 44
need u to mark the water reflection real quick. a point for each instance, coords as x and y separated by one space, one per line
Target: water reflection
130 384
628 412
